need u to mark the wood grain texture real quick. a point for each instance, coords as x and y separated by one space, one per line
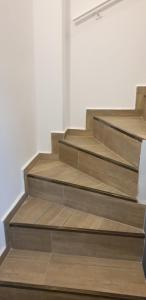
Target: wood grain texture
113 174
134 127
38 222
44 156
98 204
120 178
59 172
101 246
78 132
140 95
30 239
36 211
97 277
91 113
55 137
7 293
73 242
68 155
94 146
125 146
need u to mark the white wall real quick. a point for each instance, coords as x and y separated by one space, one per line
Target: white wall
34 87
66 62
107 57
51 68
17 109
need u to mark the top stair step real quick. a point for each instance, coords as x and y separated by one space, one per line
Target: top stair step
123 135
133 126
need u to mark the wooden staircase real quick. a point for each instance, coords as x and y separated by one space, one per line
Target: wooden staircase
79 232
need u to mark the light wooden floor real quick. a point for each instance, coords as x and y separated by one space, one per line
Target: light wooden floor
74 273
37 211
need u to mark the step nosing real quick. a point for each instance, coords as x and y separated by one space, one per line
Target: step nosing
102 157
119 196
108 123
77 230
70 291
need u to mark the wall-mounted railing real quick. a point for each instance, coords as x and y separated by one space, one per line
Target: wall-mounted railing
95 11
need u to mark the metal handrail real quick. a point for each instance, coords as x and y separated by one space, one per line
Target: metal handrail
95 11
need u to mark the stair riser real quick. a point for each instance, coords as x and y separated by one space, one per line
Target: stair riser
122 178
122 144
7 293
90 202
77 243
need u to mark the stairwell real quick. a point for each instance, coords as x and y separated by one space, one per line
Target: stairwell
79 231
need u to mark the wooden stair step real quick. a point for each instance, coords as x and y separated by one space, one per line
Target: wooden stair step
78 275
91 113
95 202
120 135
100 163
95 147
134 126
42 225
36 211
60 172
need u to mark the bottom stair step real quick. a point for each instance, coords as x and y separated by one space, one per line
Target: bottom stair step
44 225
27 272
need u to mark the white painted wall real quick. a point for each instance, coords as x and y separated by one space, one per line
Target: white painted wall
34 87
17 109
51 68
66 62
107 57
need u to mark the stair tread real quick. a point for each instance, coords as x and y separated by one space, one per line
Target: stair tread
134 125
36 211
61 172
91 144
81 274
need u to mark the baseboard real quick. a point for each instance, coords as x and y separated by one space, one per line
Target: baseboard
3 254
11 214
6 219
18 202
20 199
14 207
30 163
